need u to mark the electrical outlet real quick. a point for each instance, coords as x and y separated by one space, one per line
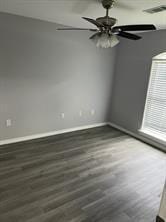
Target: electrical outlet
92 112
8 122
62 115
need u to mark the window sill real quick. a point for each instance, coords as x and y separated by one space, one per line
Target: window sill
153 136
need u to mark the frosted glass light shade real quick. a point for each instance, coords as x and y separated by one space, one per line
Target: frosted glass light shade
114 40
105 40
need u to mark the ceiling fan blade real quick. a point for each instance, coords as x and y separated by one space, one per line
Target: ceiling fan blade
80 7
95 35
143 27
94 22
83 5
129 35
123 6
76 29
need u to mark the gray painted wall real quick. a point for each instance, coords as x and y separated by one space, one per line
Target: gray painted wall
131 78
162 211
44 73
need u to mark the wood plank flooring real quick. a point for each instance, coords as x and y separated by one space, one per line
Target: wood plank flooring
95 175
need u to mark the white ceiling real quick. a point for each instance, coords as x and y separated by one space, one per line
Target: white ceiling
69 12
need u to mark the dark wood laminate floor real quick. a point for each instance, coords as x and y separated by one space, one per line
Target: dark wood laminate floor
96 175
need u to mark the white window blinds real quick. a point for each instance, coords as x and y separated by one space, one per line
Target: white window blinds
154 121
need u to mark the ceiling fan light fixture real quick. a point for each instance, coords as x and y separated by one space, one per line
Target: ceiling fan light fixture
95 38
105 40
114 40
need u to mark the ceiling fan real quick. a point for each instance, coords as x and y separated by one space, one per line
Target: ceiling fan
106 32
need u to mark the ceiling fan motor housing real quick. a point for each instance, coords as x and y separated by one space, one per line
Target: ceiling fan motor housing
107 21
107 4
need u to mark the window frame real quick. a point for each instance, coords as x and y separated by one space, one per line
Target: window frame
152 135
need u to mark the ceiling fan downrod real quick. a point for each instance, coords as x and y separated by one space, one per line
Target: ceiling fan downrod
107 21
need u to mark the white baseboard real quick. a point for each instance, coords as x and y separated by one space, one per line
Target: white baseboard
52 133
139 137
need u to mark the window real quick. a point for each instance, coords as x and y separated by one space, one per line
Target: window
154 120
